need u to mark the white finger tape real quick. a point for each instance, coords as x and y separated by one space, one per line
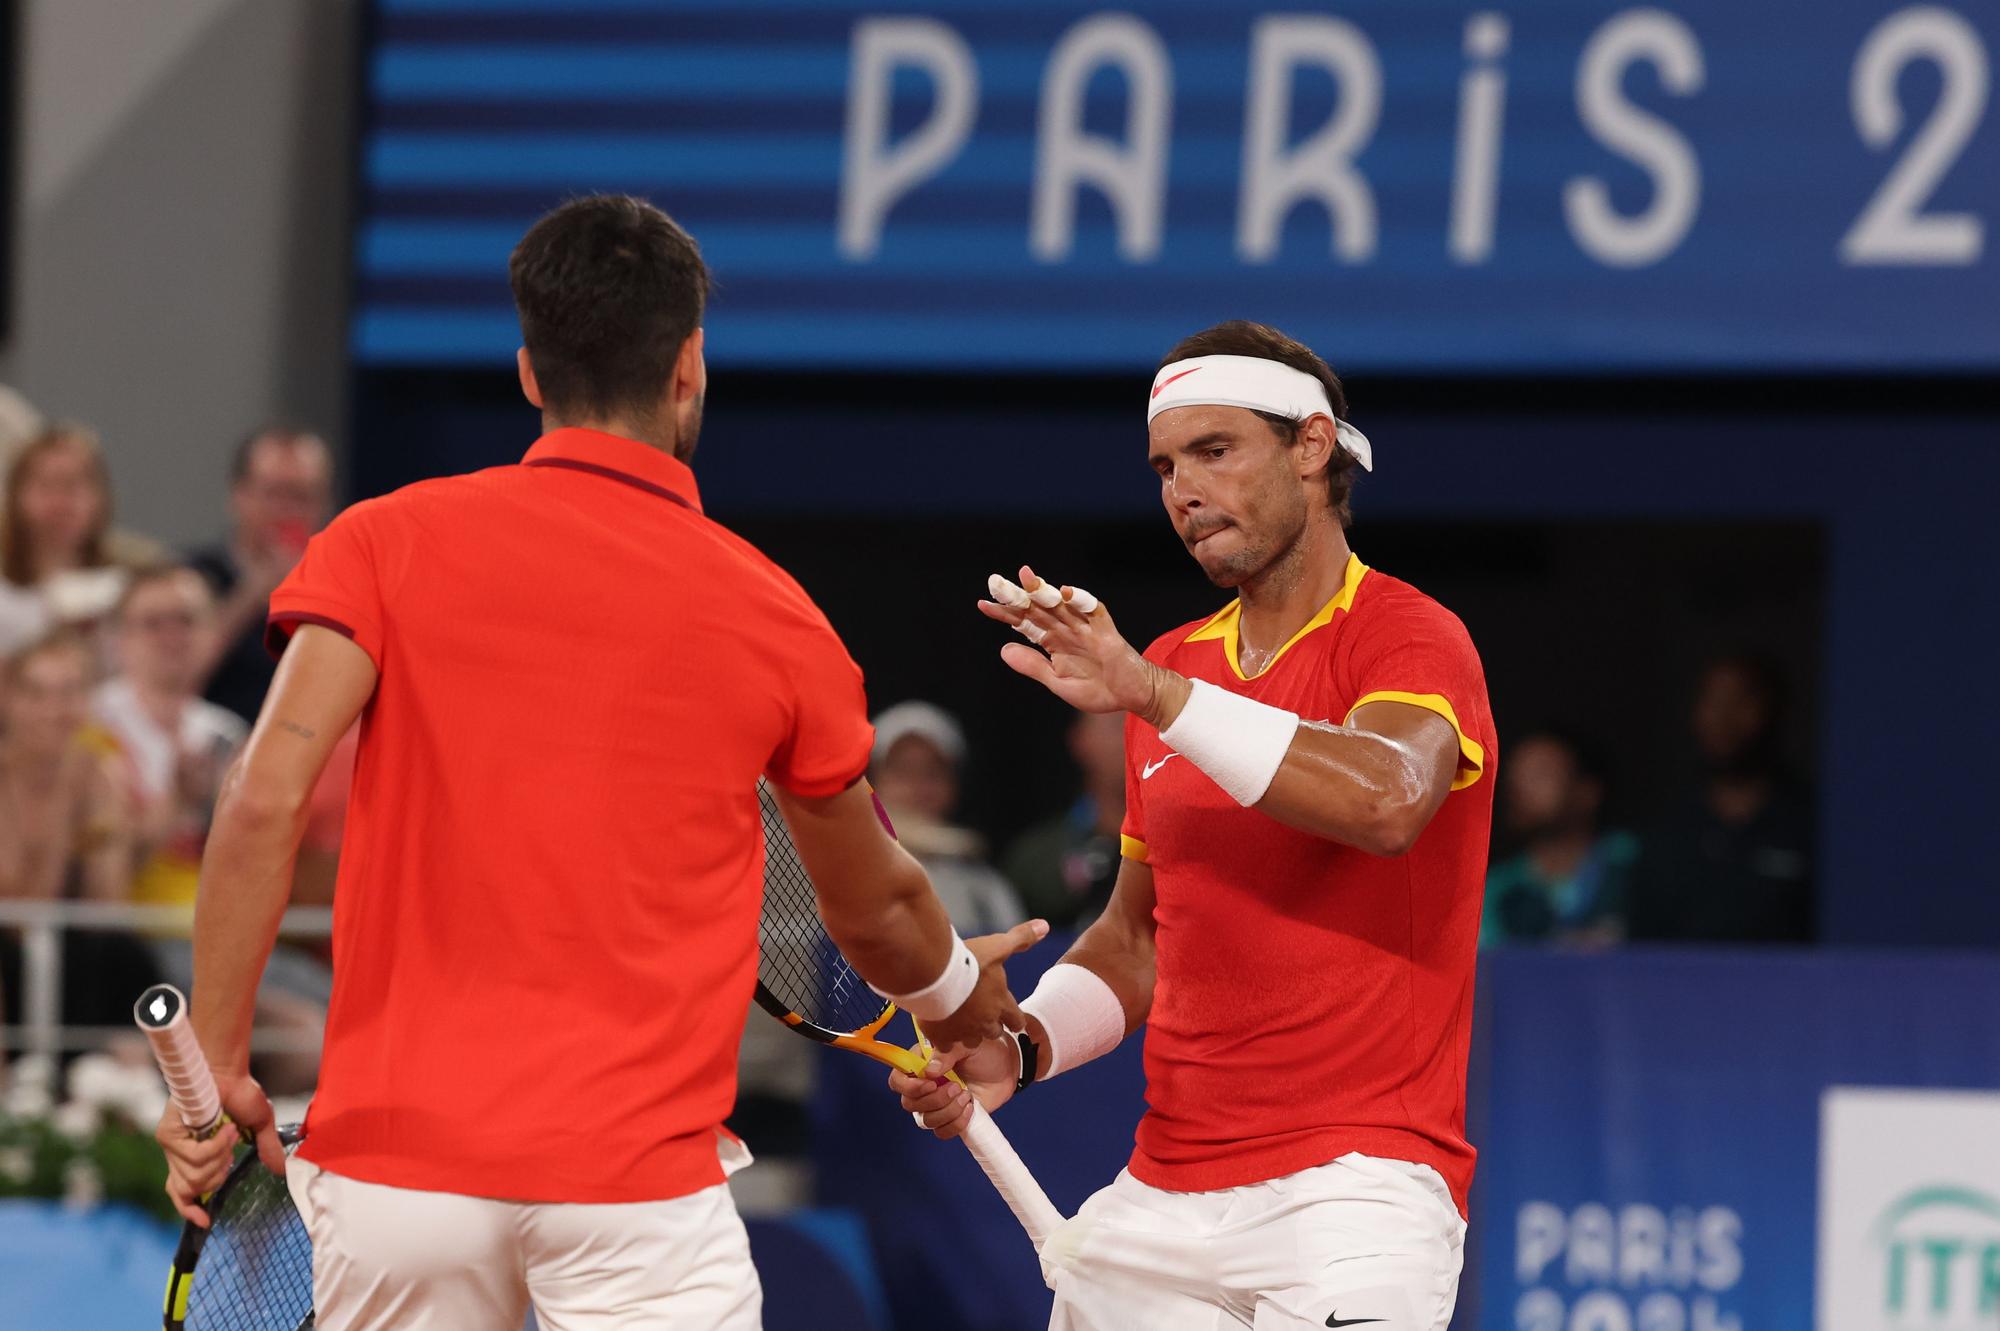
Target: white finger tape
1082 601
1046 595
1034 633
1006 593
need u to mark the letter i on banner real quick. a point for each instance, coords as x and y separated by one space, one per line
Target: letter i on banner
1482 109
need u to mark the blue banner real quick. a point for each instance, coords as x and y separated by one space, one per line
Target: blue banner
1567 185
1721 1141
1669 1140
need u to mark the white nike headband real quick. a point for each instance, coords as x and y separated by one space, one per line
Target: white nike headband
1257 384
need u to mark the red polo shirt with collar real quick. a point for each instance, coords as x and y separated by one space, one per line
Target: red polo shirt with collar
545 928
1312 999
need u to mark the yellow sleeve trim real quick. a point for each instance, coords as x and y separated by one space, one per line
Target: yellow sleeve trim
1132 848
1471 754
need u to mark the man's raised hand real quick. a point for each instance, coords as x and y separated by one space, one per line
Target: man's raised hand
1077 652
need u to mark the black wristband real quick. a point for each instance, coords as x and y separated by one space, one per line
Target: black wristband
1031 1054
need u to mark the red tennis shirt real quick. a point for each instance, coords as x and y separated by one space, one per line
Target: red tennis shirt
545 929
1312 999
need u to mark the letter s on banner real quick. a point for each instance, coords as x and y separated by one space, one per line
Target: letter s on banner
1669 44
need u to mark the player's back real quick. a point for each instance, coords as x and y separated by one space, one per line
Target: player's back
547 907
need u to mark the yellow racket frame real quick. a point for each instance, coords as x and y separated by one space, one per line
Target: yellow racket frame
912 1060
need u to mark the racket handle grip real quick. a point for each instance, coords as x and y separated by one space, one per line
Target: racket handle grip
1011 1179
161 1013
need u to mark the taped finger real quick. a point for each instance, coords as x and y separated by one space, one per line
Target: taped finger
1046 595
1082 601
1032 631
1007 593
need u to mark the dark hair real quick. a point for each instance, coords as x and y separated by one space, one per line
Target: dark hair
1241 337
608 288
280 432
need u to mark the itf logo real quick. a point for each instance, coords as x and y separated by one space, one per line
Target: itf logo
1909 1210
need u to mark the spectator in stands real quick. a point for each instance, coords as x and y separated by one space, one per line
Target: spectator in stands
1063 867
280 493
60 560
1733 862
1570 881
65 827
177 745
65 831
919 749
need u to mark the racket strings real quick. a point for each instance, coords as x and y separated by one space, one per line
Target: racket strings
796 961
255 1272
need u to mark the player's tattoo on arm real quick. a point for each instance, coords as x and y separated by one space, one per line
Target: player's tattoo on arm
303 732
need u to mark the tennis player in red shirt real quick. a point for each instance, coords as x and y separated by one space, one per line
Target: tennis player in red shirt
569 682
1309 792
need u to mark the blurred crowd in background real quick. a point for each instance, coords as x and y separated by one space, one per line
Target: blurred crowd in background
130 674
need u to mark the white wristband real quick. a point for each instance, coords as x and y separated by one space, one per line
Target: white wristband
1239 742
1080 1015
948 992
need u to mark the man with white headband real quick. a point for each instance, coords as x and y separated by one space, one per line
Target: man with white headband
1308 804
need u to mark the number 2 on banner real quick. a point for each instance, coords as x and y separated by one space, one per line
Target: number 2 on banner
1892 229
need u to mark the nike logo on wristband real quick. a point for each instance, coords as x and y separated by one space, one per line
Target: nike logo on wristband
1146 772
1333 1319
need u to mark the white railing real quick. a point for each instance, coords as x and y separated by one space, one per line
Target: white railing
38 1028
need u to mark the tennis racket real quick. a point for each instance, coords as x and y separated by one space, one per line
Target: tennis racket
254 1261
803 981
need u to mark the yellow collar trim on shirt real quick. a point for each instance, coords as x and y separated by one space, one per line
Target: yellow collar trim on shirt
1227 623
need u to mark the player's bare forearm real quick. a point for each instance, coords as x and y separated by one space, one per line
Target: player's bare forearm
245 879
897 937
881 913
1373 784
322 683
876 901
1363 787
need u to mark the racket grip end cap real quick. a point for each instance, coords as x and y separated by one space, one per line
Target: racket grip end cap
161 1013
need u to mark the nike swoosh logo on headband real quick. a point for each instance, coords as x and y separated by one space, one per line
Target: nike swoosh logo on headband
1162 386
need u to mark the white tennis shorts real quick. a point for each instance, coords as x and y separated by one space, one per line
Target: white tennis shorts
1362 1241
437 1261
